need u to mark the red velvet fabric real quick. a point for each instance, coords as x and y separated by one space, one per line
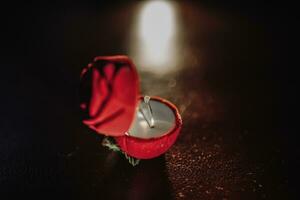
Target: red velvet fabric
150 148
109 97
110 92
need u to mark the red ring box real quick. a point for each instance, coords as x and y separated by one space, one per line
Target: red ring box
109 100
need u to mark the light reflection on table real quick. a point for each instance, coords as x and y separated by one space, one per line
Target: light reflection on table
154 40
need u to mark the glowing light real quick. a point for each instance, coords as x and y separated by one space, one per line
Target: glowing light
155 37
157 22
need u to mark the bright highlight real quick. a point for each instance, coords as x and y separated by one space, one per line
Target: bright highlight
155 38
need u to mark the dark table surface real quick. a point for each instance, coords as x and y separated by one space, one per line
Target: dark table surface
225 68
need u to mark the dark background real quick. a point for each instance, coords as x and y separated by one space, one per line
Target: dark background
238 139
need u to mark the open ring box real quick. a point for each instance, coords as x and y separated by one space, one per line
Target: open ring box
143 127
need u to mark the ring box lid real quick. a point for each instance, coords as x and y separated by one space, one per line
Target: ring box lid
109 94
